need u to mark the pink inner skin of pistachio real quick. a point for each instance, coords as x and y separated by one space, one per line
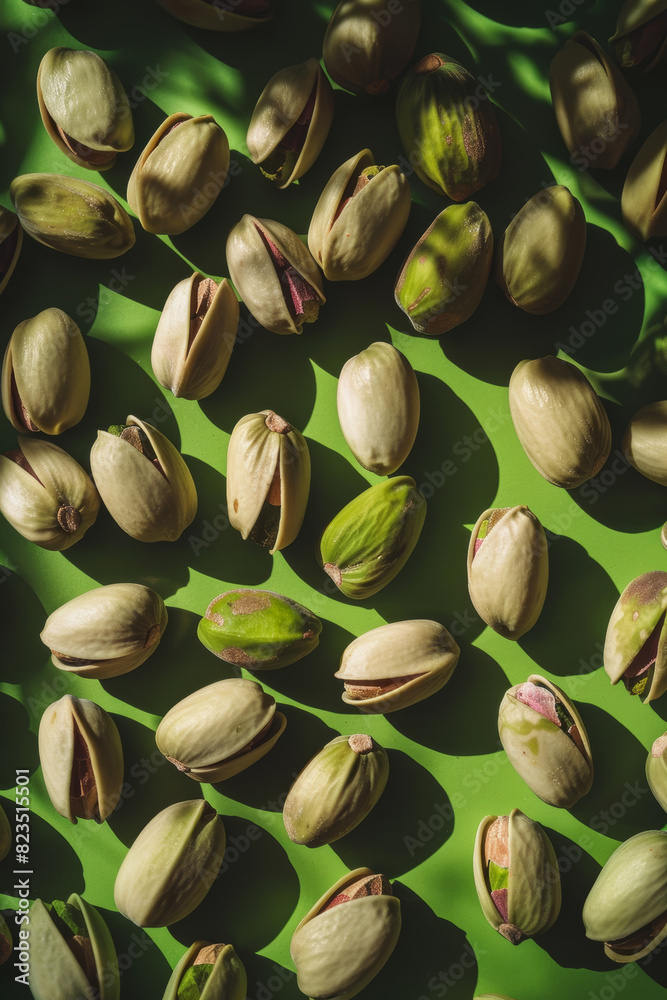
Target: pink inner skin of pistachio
646 656
295 138
538 698
248 8
356 185
19 458
19 409
203 292
295 288
647 39
96 157
499 897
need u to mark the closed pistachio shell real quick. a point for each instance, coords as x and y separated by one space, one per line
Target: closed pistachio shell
559 420
46 495
508 569
627 905
656 770
152 503
11 241
635 646
268 479
171 865
179 174
643 200
84 107
220 15
640 39
46 374
195 335
221 729
396 665
226 977
359 218
274 274
82 759
644 442
378 407
107 631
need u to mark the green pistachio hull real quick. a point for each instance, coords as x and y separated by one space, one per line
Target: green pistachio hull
637 613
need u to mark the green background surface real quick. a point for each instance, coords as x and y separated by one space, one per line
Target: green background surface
447 770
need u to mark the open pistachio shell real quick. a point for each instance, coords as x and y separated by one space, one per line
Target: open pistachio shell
644 442
84 107
644 199
359 218
640 39
635 647
107 631
82 759
180 173
152 503
46 374
226 977
397 665
46 495
11 240
171 865
338 949
656 770
627 905
220 15
195 335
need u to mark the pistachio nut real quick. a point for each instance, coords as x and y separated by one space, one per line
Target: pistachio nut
171 865
546 741
449 132
82 759
219 730
635 646
274 274
290 122
11 241
508 569
643 200
656 770
560 421
5 834
370 540
46 374
195 335
626 907
644 442
208 972
71 215
6 943
359 218
220 15
46 495
180 173
597 113
258 629
72 954
346 937
397 665
516 876
367 44
336 790
640 39
268 479
143 481
537 262
378 407
444 276
107 631
84 107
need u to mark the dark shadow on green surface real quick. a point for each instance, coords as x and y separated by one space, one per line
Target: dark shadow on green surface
524 13
311 680
22 652
52 879
15 722
84 23
643 379
266 978
140 962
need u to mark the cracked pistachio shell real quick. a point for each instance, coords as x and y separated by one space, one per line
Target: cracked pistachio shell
194 337
369 541
656 770
171 865
338 951
641 34
537 262
221 729
268 479
220 15
149 504
258 629
378 407
367 44
107 631
336 790
55 973
520 846
54 506
180 173
554 758
644 442
350 242
508 569
635 646
397 665
274 274
626 907
227 979
11 241
644 200
82 759
46 374
84 107
443 278
596 111
291 121
560 421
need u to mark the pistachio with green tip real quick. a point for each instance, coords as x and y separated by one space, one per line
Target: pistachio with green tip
640 39
627 905
208 972
220 15
643 199
11 241
635 647
644 442
656 770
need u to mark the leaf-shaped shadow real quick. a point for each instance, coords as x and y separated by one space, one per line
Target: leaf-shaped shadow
266 978
15 720
523 13
23 653
52 880
139 958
